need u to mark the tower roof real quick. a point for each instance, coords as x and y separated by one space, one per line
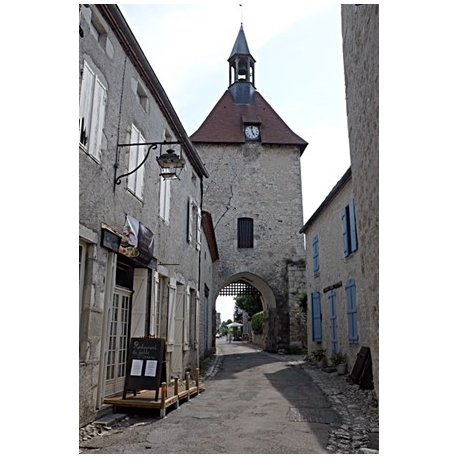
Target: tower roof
240 45
225 123
241 104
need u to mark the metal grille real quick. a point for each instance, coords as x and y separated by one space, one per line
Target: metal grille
239 289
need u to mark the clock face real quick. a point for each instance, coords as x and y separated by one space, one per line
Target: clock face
252 132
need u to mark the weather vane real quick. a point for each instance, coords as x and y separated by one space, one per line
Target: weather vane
241 13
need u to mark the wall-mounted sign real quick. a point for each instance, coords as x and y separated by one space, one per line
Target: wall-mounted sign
110 240
137 241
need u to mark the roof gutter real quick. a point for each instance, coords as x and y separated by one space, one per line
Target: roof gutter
117 22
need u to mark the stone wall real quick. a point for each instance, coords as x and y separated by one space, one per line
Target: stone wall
298 324
261 182
360 31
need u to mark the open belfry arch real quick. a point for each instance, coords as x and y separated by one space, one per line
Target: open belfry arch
254 195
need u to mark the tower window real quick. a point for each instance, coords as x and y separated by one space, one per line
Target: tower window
245 233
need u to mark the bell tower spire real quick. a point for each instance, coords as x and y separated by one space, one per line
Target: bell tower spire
241 69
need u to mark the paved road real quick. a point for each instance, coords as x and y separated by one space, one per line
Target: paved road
254 403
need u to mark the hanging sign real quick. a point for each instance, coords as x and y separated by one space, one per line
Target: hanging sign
137 241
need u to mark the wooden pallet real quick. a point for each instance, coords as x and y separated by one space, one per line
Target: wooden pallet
146 399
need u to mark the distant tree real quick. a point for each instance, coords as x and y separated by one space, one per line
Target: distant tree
249 304
223 329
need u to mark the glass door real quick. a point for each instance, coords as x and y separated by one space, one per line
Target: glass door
117 342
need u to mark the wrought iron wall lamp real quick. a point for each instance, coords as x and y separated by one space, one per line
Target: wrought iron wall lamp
170 162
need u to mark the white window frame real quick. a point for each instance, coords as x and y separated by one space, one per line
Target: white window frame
136 156
93 99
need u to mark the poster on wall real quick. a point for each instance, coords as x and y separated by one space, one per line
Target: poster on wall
137 241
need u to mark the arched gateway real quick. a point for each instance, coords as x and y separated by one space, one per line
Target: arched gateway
245 283
254 196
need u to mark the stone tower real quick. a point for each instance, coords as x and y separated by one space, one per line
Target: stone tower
255 199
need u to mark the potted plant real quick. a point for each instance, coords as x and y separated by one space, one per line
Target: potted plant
319 356
339 360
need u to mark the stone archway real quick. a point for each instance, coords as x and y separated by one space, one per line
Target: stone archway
269 341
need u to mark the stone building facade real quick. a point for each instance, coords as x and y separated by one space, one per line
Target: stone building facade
335 323
254 195
360 33
342 258
157 283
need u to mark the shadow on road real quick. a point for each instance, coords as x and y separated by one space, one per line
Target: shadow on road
304 399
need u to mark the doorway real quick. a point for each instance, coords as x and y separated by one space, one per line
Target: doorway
117 344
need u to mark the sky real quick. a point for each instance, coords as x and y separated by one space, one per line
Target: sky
298 69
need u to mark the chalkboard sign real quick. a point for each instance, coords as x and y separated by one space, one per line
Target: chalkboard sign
146 368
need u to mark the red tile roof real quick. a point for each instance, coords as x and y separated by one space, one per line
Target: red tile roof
225 123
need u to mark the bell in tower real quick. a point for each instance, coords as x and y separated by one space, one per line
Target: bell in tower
241 70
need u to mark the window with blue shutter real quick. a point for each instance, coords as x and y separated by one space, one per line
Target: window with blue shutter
352 315
316 260
316 317
333 318
350 241
353 239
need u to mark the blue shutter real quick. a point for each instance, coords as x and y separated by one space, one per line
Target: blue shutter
333 317
351 311
316 261
353 239
316 317
344 232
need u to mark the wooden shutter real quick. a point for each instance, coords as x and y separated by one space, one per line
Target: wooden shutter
345 232
350 289
140 173
187 317
164 210
316 317
139 298
154 318
333 319
87 89
199 229
171 312
136 156
93 99
316 263
97 119
189 220
352 218
133 151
